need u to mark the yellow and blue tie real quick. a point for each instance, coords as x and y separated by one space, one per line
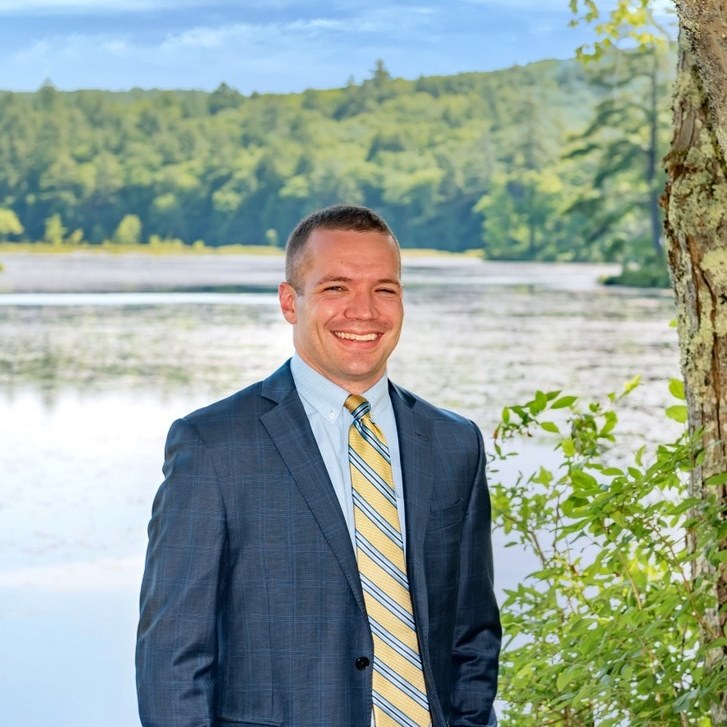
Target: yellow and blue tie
399 694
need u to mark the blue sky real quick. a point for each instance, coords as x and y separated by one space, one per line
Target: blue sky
269 45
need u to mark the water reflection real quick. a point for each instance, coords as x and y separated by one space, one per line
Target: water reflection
237 295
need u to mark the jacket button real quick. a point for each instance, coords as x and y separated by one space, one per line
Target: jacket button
362 662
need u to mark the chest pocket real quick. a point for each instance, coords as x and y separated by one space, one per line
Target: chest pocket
446 516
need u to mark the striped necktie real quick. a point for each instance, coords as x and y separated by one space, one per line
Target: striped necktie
399 694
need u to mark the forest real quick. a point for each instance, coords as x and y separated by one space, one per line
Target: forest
551 161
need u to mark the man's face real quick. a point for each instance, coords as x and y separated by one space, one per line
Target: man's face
348 310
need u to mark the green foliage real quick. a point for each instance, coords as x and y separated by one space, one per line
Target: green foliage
75 238
224 97
649 272
627 22
621 148
128 231
522 217
54 230
606 630
454 163
9 224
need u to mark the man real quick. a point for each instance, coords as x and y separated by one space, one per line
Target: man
279 589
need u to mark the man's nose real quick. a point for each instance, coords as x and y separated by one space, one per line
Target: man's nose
361 306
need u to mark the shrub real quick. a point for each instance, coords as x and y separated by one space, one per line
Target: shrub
609 629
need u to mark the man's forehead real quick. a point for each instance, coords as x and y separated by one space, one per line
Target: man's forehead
312 253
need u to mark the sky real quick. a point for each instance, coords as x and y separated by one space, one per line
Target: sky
276 46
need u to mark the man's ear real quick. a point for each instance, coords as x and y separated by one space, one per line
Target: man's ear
287 296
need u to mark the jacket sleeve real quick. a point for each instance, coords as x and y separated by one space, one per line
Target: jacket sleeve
477 632
176 649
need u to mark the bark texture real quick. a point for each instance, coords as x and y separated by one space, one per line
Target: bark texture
704 25
695 204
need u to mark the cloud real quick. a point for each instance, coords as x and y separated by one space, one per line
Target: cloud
115 47
262 34
55 7
51 50
259 8
105 7
552 6
273 46
278 57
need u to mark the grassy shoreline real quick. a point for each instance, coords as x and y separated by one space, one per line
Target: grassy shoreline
42 248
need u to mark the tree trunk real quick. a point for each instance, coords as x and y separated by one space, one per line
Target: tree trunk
704 26
695 203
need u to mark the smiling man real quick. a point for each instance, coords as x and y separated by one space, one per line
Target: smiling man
319 552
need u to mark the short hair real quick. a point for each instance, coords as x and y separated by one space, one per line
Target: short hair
336 217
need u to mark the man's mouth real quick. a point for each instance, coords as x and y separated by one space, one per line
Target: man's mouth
356 336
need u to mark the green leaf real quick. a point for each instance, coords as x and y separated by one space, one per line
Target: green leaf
569 449
678 413
676 387
539 403
573 506
550 427
629 386
583 480
715 480
563 402
692 502
544 476
610 423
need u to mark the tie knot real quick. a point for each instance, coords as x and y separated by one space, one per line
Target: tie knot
357 405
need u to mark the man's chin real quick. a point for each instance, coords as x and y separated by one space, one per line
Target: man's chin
360 375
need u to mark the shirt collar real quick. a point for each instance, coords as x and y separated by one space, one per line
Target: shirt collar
322 395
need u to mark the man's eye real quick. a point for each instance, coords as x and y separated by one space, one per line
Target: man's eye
389 291
333 288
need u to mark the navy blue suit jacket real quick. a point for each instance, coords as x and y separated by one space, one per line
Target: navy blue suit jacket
252 611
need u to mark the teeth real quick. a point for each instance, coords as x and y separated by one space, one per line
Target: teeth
356 336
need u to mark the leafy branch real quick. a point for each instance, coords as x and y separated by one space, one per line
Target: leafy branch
606 630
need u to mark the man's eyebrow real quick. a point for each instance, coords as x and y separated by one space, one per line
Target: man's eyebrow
344 279
333 279
390 281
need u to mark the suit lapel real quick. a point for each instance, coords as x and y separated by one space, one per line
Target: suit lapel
415 447
416 456
288 426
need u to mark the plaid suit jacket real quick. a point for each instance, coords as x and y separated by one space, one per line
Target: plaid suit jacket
252 611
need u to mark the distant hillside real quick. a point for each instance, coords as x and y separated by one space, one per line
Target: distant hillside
435 156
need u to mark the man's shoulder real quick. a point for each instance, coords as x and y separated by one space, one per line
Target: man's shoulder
239 401
422 408
249 403
446 431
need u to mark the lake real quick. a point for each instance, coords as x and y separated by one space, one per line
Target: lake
99 353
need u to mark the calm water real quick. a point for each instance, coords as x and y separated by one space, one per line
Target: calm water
90 380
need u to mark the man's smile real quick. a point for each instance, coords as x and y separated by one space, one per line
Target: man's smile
356 336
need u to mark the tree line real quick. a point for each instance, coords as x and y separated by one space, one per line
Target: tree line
551 161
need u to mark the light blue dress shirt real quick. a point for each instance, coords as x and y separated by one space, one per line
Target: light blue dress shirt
330 422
